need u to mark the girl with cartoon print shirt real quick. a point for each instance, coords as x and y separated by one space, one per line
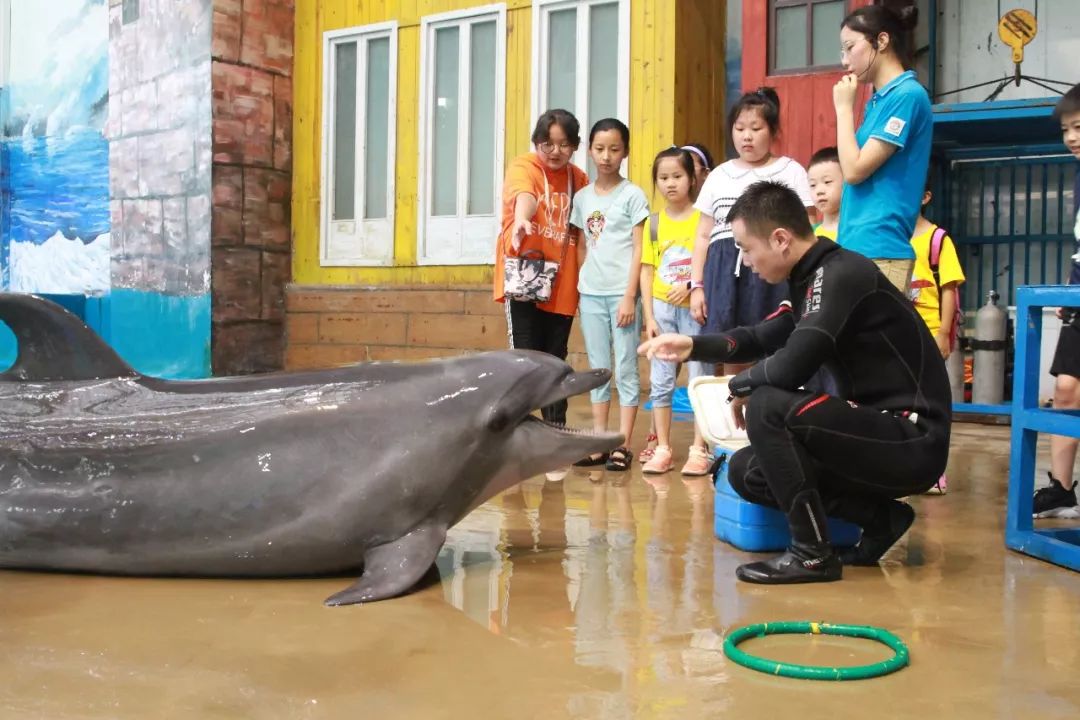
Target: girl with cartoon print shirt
610 213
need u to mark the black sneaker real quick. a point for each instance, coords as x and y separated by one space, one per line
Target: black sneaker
1054 501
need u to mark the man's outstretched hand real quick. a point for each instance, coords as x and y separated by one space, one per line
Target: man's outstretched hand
669 347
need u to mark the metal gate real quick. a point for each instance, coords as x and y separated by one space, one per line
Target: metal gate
1011 217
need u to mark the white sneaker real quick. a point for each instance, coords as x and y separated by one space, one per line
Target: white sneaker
557 475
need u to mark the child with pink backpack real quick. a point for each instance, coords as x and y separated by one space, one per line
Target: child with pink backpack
935 288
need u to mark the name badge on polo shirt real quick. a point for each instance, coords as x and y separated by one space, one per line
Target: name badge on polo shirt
895 126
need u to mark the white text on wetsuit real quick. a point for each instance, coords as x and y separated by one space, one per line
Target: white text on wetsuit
813 292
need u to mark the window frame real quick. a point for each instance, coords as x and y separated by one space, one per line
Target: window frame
429 251
541 25
372 241
771 38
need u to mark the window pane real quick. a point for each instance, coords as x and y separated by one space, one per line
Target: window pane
445 123
130 11
603 61
603 67
482 120
376 136
826 32
562 57
345 131
789 37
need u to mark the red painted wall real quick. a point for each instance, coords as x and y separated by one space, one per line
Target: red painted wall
807 117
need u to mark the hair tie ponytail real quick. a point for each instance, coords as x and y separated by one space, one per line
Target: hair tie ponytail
895 18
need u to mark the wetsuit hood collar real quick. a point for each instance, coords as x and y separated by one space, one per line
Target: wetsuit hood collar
813 257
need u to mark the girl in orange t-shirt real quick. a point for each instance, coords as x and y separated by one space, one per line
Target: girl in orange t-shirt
537 193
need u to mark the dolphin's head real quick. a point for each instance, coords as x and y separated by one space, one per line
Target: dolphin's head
514 443
536 380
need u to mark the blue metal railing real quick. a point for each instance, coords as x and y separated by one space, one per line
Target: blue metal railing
1057 545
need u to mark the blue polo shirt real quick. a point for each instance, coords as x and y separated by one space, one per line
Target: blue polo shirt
878 215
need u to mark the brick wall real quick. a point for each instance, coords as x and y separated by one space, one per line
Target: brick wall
159 147
328 326
252 177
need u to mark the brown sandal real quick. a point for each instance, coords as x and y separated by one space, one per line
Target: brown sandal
619 461
590 461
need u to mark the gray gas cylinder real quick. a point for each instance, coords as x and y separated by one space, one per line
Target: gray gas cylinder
988 387
955 367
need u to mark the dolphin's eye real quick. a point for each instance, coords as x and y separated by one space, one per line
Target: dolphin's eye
498 421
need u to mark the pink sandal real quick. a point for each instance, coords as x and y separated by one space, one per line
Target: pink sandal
941 487
650 447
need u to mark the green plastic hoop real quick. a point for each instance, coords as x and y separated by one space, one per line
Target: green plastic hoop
900 657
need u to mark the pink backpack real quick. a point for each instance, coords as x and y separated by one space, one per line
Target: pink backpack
937 239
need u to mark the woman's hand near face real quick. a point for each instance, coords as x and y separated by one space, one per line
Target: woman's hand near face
844 92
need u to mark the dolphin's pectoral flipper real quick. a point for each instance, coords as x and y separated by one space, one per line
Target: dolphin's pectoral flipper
393 568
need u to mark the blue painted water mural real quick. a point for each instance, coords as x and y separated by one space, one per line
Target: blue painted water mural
55 175
57 184
5 201
7 347
165 336
54 178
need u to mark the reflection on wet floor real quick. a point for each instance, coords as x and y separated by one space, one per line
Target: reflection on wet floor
601 596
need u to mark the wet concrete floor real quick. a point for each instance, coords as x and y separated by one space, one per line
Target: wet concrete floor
601 596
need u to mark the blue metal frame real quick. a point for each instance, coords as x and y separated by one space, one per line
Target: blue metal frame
977 409
1002 122
1008 151
1060 546
997 110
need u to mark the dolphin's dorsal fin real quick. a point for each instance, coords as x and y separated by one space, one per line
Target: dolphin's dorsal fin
54 344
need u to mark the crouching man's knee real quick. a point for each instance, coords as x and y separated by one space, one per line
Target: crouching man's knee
768 409
747 479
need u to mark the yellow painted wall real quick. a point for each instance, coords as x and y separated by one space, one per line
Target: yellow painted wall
652 86
653 97
700 74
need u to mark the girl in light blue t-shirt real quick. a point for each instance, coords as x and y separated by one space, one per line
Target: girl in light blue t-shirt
611 212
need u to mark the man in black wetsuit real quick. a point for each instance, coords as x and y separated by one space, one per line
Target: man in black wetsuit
849 406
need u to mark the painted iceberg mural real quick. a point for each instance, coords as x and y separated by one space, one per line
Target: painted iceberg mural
54 209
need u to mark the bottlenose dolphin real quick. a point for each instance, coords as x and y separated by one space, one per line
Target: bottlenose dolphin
105 470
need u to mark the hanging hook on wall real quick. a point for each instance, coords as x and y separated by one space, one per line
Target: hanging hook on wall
1016 28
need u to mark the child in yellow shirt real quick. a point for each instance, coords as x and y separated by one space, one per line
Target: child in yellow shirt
936 280
665 274
935 288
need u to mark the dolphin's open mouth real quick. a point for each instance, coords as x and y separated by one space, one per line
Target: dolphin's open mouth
567 430
575 383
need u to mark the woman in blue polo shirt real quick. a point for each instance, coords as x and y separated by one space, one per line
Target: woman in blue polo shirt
886 159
